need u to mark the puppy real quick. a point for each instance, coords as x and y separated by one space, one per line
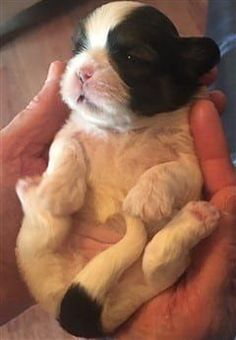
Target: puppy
125 154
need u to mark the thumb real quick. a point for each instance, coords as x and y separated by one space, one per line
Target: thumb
49 95
44 115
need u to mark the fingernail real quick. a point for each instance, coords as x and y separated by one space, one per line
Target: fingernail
52 71
225 200
230 204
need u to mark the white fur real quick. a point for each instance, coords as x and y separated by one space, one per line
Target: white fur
111 15
105 88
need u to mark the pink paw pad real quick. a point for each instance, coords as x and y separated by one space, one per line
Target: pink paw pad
205 212
24 184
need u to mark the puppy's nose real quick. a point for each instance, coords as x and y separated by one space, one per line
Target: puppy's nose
85 73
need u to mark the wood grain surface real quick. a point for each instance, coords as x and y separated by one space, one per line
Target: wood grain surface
24 64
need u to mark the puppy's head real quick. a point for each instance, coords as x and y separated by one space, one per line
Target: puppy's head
129 60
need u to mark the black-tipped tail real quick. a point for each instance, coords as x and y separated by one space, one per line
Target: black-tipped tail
80 314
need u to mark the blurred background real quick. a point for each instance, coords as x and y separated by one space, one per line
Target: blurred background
31 40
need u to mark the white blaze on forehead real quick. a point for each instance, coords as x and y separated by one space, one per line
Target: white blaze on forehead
105 18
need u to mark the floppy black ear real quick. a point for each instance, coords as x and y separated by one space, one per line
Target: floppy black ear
198 55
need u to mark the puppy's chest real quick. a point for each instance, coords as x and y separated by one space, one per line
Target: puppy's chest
116 161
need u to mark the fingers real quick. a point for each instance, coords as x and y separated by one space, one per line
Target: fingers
48 99
225 200
219 100
45 114
211 147
209 77
217 97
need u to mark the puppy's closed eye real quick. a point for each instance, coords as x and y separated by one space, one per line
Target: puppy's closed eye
138 54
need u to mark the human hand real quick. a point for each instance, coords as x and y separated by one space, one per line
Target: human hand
25 142
202 304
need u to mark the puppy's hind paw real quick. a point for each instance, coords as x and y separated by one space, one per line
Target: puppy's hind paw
206 213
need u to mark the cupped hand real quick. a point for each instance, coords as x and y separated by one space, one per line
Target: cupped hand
24 147
202 304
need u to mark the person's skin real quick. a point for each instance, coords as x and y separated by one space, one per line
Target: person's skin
24 145
202 305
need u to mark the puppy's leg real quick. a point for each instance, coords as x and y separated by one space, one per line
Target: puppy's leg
63 184
82 305
165 259
39 238
168 254
125 298
162 190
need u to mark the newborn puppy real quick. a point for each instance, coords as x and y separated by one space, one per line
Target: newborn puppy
125 154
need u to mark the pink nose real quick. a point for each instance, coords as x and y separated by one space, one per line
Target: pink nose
85 73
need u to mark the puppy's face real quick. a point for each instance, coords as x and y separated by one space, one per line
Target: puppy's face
129 60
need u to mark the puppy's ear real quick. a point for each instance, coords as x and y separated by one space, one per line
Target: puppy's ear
198 55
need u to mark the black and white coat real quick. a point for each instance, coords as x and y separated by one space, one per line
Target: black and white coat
125 153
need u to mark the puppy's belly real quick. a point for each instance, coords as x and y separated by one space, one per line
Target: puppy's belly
87 239
98 225
102 218
102 202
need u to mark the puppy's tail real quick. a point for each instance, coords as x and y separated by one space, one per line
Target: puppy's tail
80 314
82 307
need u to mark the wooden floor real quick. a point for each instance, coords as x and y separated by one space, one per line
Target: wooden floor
23 68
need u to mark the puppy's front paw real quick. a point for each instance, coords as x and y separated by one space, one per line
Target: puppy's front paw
151 204
26 189
61 197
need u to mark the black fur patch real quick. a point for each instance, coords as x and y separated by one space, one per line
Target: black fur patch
80 314
161 69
